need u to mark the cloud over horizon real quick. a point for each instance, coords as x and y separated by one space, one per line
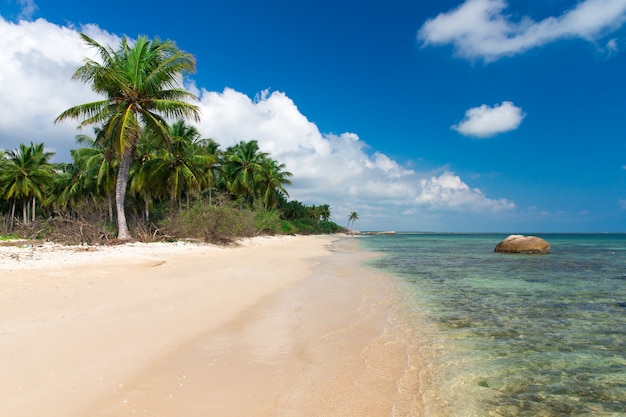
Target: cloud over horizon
481 29
337 169
486 121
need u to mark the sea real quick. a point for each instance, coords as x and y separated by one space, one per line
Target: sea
509 334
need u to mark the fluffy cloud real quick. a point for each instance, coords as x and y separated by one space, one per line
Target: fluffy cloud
481 28
485 121
447 190
333 167
324 165
39 59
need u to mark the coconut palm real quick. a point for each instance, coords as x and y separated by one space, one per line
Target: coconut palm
272 180
177 169
140 85
352 218
98 167
26 176
242 164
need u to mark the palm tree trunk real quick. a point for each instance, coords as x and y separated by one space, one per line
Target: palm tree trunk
34 205
147 207
120 194
110 201
12 214
25 211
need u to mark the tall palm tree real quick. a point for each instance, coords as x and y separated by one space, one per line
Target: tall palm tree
324 212
98 165
243 162
272 180
177 169
26 176
140 85
352 218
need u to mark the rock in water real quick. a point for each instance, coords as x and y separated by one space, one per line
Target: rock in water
523 244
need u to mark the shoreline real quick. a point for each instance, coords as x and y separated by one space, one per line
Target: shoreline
281 326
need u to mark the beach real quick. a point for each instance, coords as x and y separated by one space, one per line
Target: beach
274 326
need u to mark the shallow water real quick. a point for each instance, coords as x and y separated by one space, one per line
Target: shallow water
515 335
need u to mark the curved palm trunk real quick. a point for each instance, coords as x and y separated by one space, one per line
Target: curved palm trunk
120 194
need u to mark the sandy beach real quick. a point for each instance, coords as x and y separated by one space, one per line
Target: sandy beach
277 326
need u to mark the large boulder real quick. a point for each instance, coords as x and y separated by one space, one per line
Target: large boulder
523 244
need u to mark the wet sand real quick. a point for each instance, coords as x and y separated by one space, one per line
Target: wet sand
290 326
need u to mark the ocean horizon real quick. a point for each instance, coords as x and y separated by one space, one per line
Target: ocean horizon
510 334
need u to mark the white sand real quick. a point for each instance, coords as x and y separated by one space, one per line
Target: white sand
274 327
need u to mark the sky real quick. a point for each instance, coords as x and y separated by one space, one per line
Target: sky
443 116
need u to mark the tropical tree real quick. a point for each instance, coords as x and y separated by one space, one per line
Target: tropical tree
97 165
26 176
324 211
242 165
352 218
140 85
272 180
181 167
292 210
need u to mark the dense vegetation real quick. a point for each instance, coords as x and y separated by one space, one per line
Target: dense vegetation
142 174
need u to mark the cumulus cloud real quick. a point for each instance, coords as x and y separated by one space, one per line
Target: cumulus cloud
324 165
486 121
38 60
482 29
448 190
341 170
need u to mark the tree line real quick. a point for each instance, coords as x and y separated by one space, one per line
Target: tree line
137 162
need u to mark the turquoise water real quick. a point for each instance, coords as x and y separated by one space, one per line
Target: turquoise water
517 335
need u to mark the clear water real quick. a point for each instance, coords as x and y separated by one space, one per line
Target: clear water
516 335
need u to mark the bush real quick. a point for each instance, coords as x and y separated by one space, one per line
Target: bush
307 226
212 224
267 222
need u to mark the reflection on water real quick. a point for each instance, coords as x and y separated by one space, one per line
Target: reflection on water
517 335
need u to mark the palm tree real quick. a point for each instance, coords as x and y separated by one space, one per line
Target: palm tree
243 162
272 180
177 169
324 212
352 218
26 176
98 167
140 84
211 156
293 210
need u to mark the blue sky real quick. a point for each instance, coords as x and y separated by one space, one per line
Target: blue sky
476 115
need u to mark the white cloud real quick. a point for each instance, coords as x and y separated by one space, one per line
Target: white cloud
39 59
449 191
485 121
28 9
481 28
334 168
